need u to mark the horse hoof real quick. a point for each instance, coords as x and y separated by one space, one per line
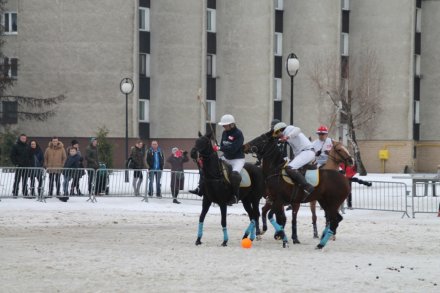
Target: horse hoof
259 237
315 236
319 246
296 241
285 244
278 235
198 241
225 243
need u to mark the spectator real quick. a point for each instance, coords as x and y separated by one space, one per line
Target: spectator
92 161
349 172
54 158
21 158
71 167
176 161
80 173
37 161
137 157
155 160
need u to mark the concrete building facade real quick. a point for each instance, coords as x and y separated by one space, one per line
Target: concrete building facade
193 61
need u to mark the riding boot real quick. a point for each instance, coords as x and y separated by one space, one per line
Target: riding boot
301 180
235 179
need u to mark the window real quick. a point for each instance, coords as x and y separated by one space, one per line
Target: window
210 19
277 89
144 64
416 111
9 67
345 4
144 106
210 111
10 22
211 66
344 44
417 65
144 19
278 4
8 112
278 44
418 20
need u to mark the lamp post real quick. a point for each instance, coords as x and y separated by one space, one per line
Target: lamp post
292 67
126 87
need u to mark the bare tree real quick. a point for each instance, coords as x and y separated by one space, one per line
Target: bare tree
355 94
14 107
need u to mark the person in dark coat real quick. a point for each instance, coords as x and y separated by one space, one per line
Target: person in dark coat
155 161
80 173
71 167
137 157
21 158
176 161
92 161
37 161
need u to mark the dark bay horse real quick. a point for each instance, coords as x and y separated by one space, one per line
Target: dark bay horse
332 190
218 190
337 155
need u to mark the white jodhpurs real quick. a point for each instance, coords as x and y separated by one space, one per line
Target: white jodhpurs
237 164
302 159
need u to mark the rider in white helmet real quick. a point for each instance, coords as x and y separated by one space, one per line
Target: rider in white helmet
232 147
302 149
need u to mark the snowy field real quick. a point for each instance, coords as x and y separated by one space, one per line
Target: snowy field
126 245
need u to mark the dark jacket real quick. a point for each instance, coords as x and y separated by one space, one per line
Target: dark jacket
177 162
232 144
72 162
20 154
92 157
150 158
37 157
137 155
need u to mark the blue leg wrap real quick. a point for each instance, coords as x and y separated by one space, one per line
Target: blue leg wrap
325 231
275 225
326 237
225 234
252 234
200 230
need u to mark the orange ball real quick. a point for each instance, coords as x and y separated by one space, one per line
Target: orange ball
246 243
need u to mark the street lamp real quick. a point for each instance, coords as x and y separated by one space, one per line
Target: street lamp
292 67
126 87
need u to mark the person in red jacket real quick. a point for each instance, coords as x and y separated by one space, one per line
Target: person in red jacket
349 172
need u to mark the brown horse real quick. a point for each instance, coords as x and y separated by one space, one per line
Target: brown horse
218 190
337 155
332 190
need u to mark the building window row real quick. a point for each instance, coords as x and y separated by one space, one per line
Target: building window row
144 64
9 67
144 106
210 20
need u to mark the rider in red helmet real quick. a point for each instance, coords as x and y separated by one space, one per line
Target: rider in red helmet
322 145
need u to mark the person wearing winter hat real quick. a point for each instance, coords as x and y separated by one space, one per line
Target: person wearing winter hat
92 161
176 161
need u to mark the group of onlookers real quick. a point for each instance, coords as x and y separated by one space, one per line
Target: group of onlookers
30 158
56 161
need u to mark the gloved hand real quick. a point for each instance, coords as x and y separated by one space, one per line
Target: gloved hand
215 148
283 138
318 153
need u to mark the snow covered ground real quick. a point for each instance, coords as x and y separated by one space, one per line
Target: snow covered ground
126 245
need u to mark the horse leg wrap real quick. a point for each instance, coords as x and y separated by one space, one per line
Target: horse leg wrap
326 237
200 230
325 231
252 234
225 234
276 225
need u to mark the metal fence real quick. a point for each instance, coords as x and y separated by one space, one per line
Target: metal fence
39 183
381 196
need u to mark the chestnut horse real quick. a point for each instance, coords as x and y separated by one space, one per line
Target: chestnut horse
338 154
218 190
331 191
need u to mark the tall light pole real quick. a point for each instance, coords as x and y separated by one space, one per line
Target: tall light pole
292 67
126 87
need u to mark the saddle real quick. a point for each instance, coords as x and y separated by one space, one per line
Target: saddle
227 169
310 171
